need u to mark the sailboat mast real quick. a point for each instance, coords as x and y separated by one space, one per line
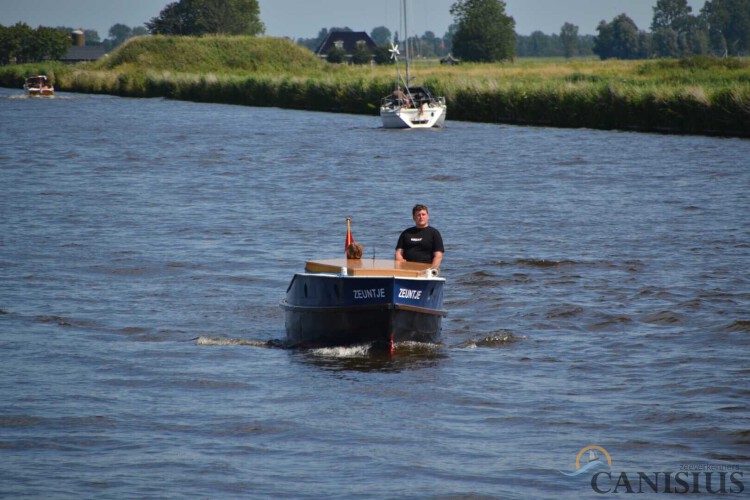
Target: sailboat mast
406 41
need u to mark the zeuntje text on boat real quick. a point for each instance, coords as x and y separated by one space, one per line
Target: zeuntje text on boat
414 106
341 302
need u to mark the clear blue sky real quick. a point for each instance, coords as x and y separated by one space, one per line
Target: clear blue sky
304 18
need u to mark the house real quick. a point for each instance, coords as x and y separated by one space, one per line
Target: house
83 54
80 52
349 41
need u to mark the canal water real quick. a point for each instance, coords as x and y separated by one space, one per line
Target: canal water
597 287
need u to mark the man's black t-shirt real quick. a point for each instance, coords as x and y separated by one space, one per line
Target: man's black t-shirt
420 243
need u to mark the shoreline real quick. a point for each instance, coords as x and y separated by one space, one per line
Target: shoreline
697 96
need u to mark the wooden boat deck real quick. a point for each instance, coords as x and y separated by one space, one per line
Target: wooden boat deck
368 267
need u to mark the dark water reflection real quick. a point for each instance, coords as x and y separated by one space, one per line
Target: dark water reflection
597 294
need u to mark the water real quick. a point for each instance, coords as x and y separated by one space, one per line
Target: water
598 294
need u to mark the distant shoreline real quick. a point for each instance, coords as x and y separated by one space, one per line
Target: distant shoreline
699 96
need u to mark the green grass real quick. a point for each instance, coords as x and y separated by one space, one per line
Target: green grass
212 54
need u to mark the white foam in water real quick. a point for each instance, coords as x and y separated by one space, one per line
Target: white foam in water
414 345
342 352
224 341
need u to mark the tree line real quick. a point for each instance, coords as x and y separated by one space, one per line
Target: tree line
482 32
25 44
721 27
21 43
428 45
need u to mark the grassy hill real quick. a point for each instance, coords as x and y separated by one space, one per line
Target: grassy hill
211 54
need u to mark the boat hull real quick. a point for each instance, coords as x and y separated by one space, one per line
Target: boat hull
40 93
409 117
336 310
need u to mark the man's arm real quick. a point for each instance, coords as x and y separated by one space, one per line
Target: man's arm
437 258
399 256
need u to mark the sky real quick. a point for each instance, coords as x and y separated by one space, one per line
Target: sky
305 18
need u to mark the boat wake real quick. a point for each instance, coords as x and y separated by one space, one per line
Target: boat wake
354 351
407 348
36 98
342 352
221 341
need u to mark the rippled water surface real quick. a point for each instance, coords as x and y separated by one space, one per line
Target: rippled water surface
597 287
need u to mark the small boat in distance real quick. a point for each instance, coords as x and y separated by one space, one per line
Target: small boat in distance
412 107
38 86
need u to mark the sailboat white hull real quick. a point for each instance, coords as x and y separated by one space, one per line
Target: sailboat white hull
426 116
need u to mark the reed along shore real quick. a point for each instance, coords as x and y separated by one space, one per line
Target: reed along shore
702 96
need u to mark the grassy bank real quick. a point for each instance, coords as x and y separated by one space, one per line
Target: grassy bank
696 96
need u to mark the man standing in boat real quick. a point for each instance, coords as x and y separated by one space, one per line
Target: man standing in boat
420 243
399 97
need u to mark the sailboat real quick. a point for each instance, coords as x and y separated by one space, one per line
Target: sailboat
414 106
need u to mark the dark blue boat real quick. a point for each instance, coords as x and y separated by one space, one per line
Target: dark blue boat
339 302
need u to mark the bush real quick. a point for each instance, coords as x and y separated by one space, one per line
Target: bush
382 55
362 55
336 55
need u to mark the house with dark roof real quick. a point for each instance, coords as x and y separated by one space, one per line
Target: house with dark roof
348 41
80 52
77 54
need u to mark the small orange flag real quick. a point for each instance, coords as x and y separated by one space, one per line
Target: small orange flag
349 238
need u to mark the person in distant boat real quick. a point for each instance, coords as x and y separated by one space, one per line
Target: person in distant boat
354 251
421 243
399 97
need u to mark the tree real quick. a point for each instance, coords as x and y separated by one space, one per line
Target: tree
620 39
485 33
382 55
91 37
569 39
313 43
119 33
665 43
448 37
604 41
676 33
24 44
381 35
198 17
335 55
231 17
538 43
177 18
361 54
694 39
429 44
51 44
728 23
671 14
